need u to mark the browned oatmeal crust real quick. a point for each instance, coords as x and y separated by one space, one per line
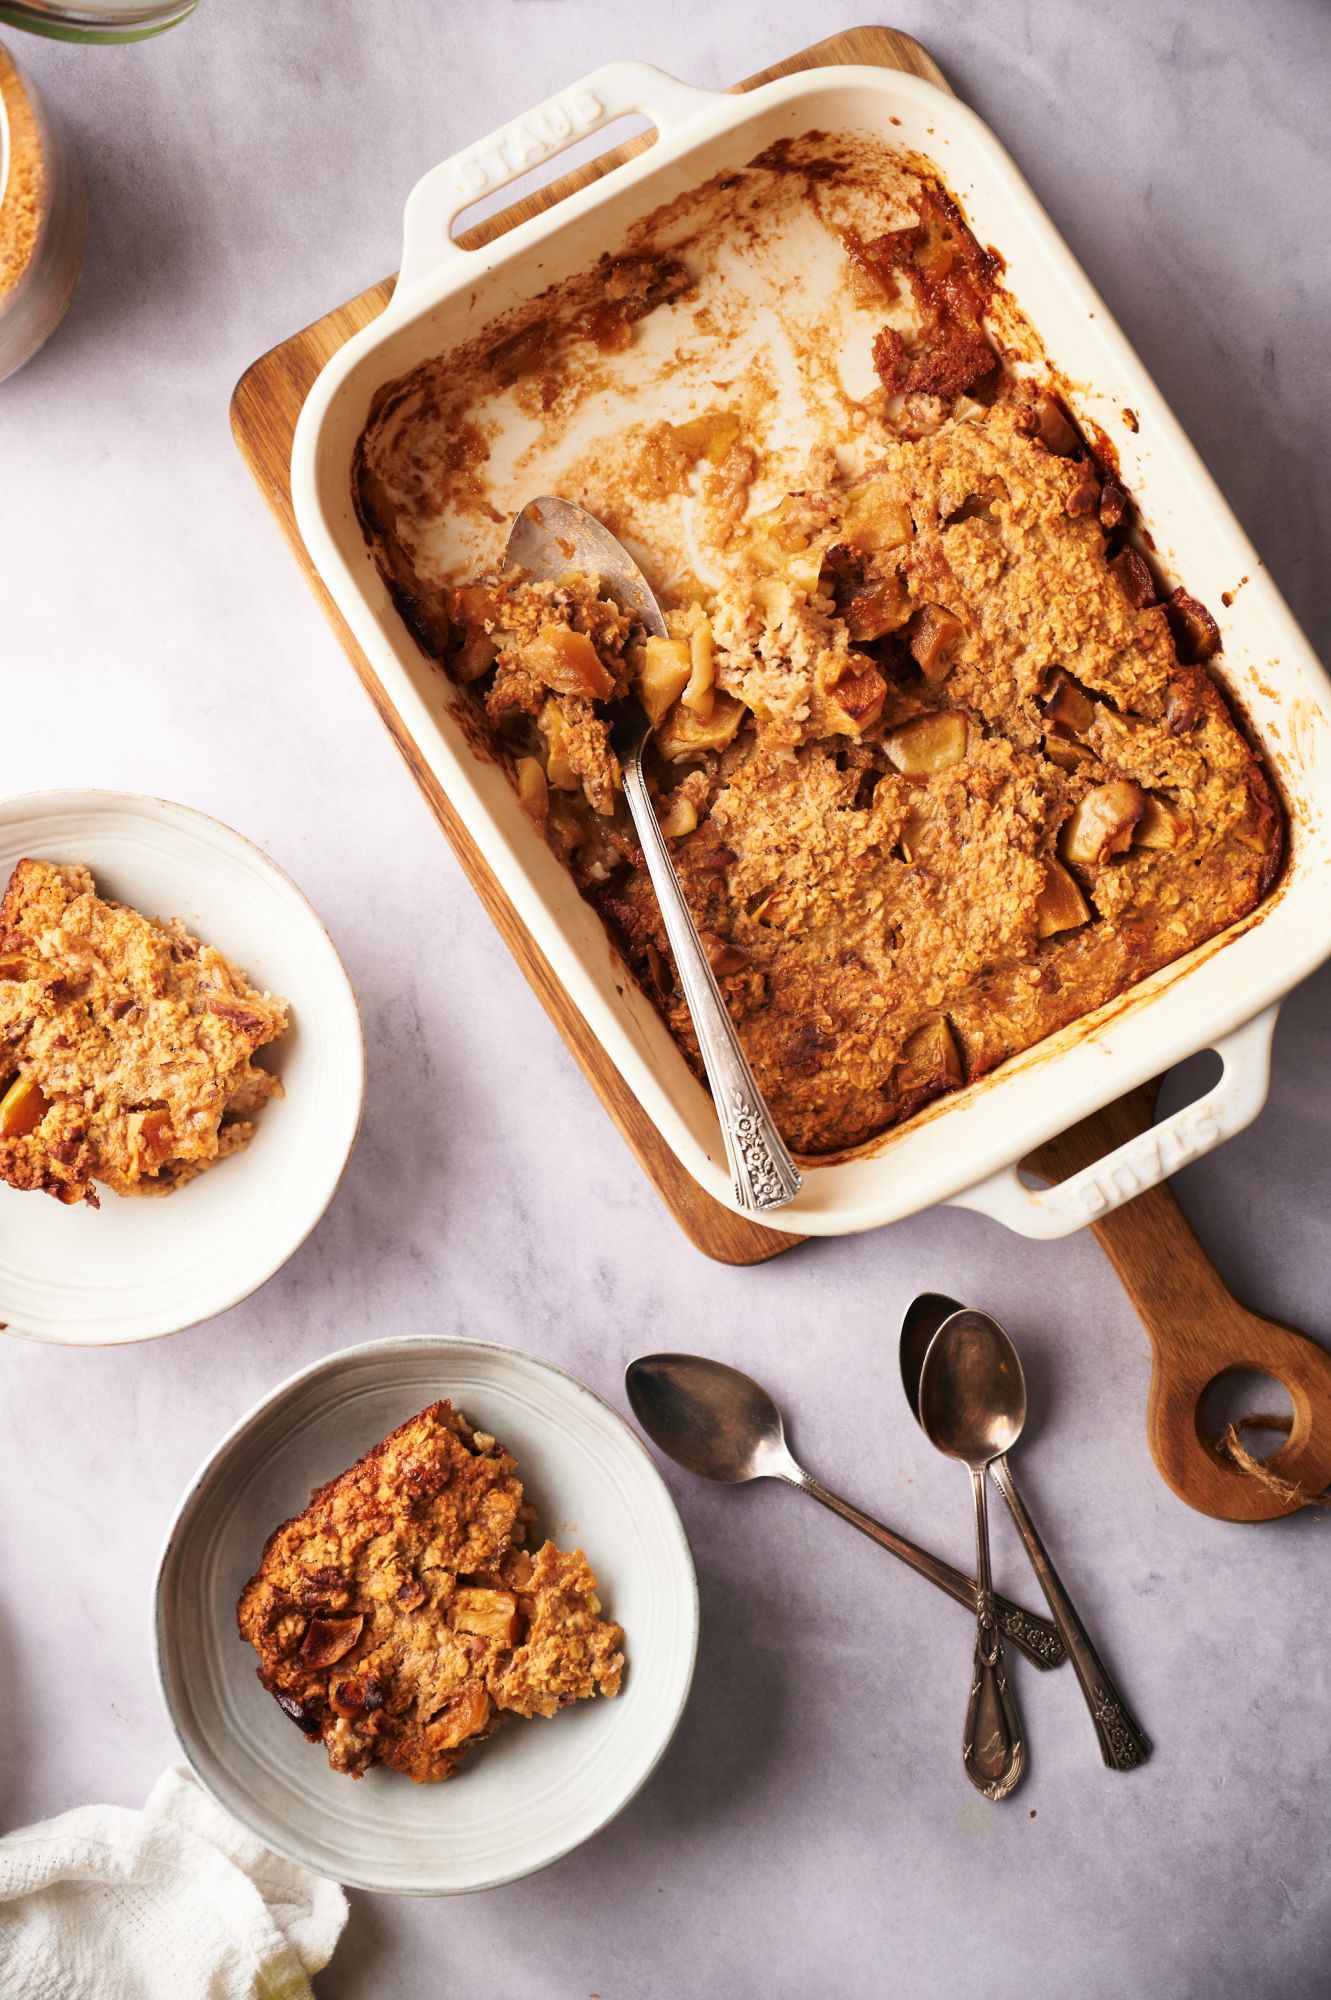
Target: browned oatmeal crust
126 1045
939 755
399 1619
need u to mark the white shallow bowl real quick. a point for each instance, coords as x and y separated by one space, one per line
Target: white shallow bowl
539 1788
135 1269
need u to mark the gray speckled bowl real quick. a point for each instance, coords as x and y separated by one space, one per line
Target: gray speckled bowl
537 1789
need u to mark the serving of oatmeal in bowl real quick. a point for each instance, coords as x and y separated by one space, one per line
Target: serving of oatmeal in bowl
175 1023
427 1617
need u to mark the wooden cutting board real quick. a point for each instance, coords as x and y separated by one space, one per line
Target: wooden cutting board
1197 1330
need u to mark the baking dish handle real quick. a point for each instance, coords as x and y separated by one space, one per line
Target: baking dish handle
617 90
1145 1160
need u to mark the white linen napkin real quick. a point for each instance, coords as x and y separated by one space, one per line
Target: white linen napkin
177 1902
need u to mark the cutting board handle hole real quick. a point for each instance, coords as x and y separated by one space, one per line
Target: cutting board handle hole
1239 1393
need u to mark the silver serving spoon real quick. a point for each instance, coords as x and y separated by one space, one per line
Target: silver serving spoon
722 1425
549 538
1123 1743
972 1407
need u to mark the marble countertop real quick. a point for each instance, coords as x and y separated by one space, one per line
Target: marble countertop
810 1828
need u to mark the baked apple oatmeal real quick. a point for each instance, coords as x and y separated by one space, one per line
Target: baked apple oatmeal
938 751
126 1045
401 1619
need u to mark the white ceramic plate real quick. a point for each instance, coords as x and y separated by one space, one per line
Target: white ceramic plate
132 1270
537 1789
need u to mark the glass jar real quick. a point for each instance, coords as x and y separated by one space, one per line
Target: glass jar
43 219
95 20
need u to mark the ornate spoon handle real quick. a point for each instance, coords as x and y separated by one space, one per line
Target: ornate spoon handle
1034 1636
992 1749
764 1174
1123 1742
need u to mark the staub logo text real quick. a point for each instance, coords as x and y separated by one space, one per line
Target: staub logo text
1149 1159
520 146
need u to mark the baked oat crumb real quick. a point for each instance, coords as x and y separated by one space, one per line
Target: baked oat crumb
126 1044
400 1619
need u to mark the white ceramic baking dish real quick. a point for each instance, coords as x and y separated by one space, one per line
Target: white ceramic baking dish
1223 996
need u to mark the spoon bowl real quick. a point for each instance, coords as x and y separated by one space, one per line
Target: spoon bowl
924 1315
708 1417
972 1390
551 537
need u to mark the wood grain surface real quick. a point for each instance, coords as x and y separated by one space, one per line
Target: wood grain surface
1198 1331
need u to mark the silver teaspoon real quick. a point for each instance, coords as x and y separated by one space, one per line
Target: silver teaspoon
723 1425
1123 1742
549 538
972 1407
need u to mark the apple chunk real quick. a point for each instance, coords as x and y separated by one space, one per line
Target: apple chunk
1256 828
1054 427
491 1614
22 1109
1067 752
931 743
1161 825
684 733
875 518
661 670
1060 905
1102 823
463 1716
880 607
709 436
1068 703
1196 634
932 635
677 814
568 662
855 700
328 1639
929 1061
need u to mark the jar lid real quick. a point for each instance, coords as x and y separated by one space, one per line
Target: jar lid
95 20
